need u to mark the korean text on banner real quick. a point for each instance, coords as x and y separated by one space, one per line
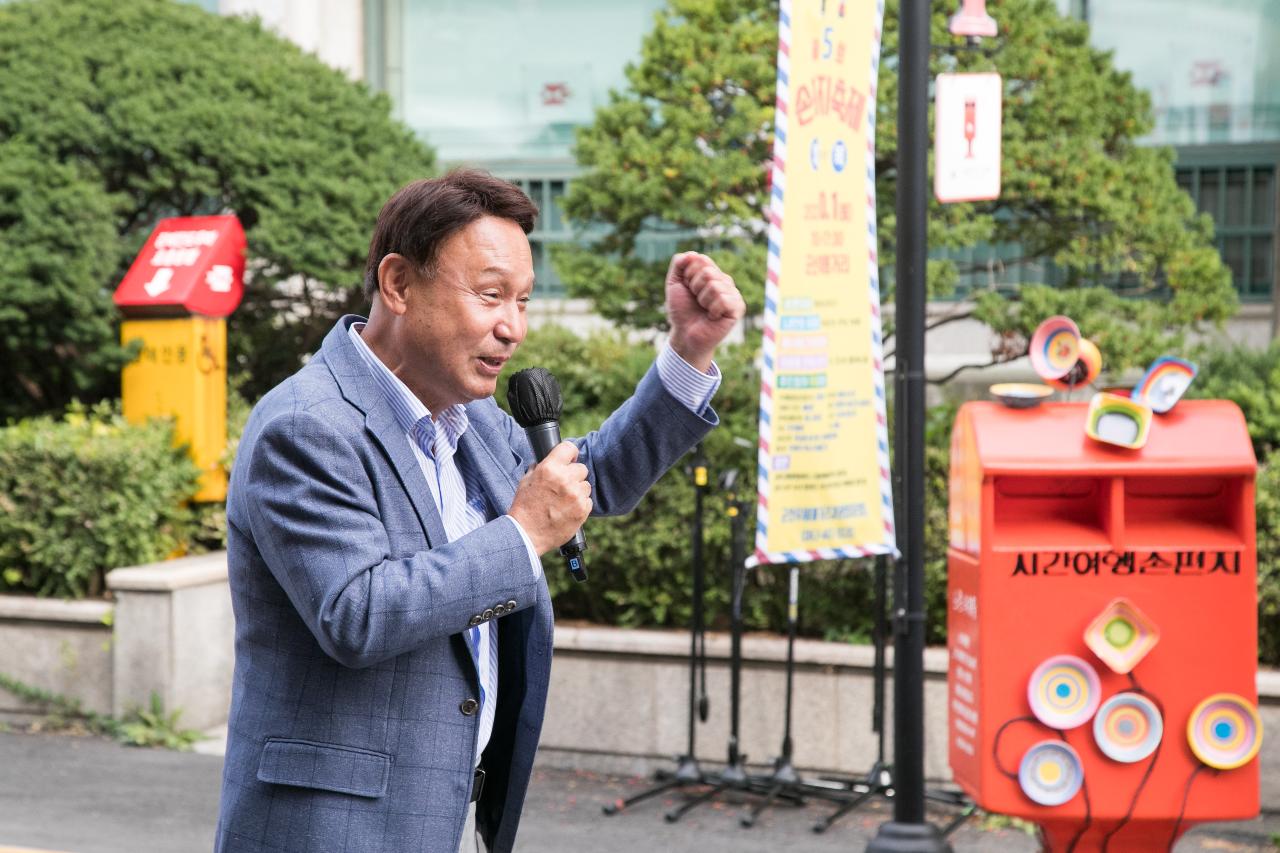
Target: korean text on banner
824 449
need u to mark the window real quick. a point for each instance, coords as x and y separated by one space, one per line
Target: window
551 227
1242 203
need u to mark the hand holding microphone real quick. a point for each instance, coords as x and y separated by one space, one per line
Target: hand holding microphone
554 498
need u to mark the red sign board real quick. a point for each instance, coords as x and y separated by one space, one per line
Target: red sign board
189 265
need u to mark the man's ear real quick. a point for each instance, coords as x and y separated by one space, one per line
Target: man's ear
395 275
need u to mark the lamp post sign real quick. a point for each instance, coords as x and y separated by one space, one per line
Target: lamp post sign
967 137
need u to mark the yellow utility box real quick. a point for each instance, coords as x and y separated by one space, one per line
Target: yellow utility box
182 372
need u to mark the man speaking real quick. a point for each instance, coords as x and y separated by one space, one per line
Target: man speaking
385 520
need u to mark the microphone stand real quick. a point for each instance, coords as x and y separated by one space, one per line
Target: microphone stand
687 772
734 776
784 782
878 781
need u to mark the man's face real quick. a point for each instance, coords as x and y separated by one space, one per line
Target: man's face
467 321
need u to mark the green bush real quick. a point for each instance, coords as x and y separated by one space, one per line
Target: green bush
1251 378
86 494
937 471
1268 513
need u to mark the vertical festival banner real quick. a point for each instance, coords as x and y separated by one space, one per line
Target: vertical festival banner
824 489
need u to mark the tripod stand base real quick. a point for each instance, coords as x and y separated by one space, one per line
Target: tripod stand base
734 775
785 784
784 772
686 773
783 779
895 837
732 778
687 770
877 782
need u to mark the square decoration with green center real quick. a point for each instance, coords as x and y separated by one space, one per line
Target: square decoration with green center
1121 635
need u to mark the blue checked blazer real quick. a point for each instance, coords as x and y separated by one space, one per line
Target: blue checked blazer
347 729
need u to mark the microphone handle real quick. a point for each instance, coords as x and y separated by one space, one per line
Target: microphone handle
544 437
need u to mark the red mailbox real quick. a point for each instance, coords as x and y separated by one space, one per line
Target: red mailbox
1103 623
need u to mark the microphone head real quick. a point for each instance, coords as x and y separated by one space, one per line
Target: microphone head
534 396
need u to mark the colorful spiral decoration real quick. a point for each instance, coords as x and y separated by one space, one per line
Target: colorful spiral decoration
1064 692
1225 731
1164 383
1055 347
1050 773
1086 369
1128 727
1121 635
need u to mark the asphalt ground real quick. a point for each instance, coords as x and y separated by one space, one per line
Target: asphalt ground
82 794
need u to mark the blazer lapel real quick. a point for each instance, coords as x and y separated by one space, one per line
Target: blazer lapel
386 430
352 376
477 445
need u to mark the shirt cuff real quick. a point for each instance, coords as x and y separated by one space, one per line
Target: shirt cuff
685 382
534 560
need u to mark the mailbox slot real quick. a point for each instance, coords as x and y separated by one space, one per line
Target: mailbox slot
1190 511
1052 511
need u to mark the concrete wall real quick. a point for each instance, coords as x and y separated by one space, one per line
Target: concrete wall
174 635
63 647
169 630
624 695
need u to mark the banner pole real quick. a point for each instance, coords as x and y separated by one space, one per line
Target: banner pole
909 831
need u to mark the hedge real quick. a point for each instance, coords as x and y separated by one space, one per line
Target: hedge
85 494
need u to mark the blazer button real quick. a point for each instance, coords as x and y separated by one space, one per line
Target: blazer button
511 605
487 615
499 610
469 707
475 620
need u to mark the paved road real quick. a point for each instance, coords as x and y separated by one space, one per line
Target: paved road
88 795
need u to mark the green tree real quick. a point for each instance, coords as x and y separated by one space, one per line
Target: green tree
58 250
116 113
686 148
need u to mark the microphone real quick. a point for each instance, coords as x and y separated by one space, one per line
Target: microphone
534 397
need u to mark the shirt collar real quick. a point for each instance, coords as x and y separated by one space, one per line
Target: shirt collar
410 412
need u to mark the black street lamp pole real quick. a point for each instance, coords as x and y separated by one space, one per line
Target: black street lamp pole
908 831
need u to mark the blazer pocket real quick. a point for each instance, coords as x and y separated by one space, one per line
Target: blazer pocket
324 766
